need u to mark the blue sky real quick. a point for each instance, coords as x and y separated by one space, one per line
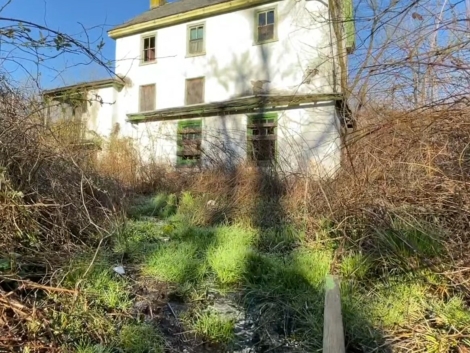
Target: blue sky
65 16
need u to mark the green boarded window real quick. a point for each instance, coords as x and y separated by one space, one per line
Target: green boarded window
262 137
350 27
196 40
189 138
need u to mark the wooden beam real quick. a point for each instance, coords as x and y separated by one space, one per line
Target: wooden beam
333 334
244 105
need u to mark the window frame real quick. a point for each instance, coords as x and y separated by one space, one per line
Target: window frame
276 23
154 100
143 37
188 38
182 125
203 89
252 124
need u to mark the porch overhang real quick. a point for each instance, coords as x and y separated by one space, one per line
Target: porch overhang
243 105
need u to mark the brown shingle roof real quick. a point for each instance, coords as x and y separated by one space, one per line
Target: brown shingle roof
169 9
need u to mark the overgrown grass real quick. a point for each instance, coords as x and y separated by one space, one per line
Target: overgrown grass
213 326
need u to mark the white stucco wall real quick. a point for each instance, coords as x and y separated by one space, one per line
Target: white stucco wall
307 137
100 114
308 140
232 58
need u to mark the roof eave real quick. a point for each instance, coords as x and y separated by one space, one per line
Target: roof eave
113 82
243 105
211 10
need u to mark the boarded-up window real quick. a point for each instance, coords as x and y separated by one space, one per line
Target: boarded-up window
189 142
196 40
262 137
147 98
149 49
266 23
195 91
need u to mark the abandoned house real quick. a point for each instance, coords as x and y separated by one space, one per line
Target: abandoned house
217 81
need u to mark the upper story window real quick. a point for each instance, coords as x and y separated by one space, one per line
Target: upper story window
266 25
149 45
194 91
196 45
147 98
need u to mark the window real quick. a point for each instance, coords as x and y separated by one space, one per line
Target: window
189 142
147 98
149 49
195 91
262 137
196 40
265 26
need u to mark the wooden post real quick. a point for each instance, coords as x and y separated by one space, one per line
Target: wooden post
333 334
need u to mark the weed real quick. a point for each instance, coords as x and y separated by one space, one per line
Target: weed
398 303
355 266
86 347
140 338
213 326
176 262
229 254
160 205
139 237
99 282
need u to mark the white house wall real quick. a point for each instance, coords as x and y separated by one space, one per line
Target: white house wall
308 140
232 59
99 116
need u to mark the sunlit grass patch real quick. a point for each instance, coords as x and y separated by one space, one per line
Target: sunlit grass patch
214 326
229 254
398 303
355 266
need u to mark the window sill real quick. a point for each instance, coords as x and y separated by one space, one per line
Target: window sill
266 41
142 63
195 55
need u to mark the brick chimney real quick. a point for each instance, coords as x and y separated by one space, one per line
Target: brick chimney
156 3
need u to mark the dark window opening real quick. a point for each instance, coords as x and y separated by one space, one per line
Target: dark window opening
149 49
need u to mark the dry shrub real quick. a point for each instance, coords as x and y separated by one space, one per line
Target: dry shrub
49 200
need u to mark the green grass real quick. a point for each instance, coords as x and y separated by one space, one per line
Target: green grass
229 254
140 338
160 205
277 273
176 262
98 281
214 327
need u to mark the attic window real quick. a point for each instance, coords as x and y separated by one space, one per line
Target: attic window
149 49
266 26
189 142
262 136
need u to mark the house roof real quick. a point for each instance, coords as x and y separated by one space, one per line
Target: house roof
109 82
169 9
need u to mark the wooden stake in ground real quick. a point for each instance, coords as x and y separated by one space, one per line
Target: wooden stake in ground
333 334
